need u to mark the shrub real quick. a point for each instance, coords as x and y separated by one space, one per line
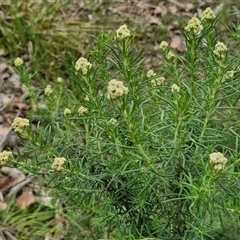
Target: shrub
145 153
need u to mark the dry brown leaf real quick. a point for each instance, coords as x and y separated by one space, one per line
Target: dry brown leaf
177 43
12 177
26 199
121 8
1 197
5 100
21 106
189 7
160 9
13 173
155 20
2 52
3 131
177 3
13 140
4 180
172 9
3 206
218 8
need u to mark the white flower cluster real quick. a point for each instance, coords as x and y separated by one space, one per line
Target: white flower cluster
86 98
67 111
208 14
171 55
157 81
123 32
194 25
151 73
220 49
218 161
112 121
229 74
163 46
116 89
5 156
48 90
83 64
82 111
18 62
175 88
59 80
58 163
20 124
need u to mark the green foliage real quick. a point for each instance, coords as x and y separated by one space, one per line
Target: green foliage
139 152
27 224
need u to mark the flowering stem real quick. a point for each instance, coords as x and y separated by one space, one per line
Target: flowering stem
59 99
86 133
211 106
146 159
26 79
